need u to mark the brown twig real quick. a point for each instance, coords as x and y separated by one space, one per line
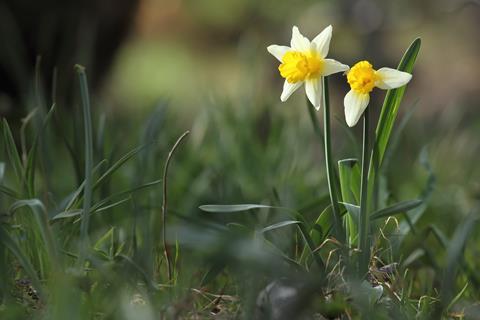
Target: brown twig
164 204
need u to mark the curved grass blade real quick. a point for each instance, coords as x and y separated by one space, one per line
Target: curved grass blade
397 208
279 225
219 208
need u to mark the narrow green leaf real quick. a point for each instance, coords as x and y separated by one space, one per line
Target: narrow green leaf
457 297
67 214
397 208
216 208
88 189
279 225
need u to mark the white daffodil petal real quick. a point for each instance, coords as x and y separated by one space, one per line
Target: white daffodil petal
299 42
288 89
322 41
389 78
355 103
278 51
331 66
313 88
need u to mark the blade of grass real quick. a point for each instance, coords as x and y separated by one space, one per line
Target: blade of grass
87 194
279 225
231 207
397 208
164 203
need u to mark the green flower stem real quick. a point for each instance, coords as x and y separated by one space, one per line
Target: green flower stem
337 220
363 243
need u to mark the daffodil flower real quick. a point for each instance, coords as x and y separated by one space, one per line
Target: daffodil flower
305 62
362 79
